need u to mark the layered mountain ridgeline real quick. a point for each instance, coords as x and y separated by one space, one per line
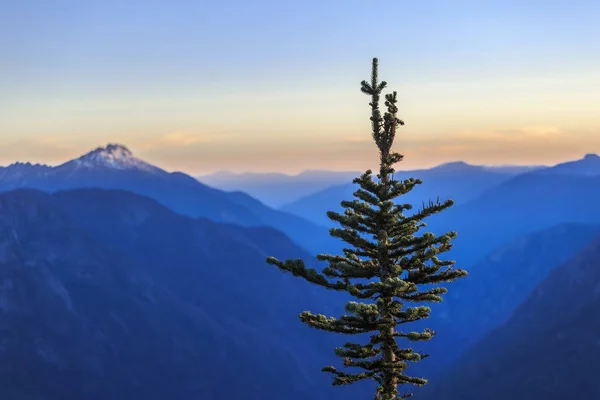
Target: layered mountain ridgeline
456 180
203 266
105 294
492 206
276 189
526 203
497 285
114 167
589 165
549 349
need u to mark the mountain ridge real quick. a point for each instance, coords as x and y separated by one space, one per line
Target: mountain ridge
115 167
547 349
498 283
114 290
113 155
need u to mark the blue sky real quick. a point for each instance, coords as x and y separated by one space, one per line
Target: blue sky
274 85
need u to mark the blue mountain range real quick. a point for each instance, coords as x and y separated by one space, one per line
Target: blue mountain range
119 279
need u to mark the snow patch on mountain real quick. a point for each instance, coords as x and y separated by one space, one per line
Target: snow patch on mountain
114 156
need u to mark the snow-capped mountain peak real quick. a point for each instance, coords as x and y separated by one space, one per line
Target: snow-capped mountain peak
113 156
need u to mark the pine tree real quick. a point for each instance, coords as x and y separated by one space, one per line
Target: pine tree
388 263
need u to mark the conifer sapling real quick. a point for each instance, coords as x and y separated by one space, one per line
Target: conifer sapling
388 267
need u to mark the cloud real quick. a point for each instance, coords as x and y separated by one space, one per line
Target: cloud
489 138
527 133
541 131
173 140
222 149
525 145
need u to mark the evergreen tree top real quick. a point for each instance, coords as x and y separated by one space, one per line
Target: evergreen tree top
386 266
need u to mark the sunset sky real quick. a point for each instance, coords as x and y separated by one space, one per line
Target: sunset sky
201 86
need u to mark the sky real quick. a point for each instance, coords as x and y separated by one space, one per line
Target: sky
202 86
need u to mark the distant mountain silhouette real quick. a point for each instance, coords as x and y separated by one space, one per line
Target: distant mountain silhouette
514 228
105 294
457 180
275 189
520 205
549 349
589 165
496 286
115 167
